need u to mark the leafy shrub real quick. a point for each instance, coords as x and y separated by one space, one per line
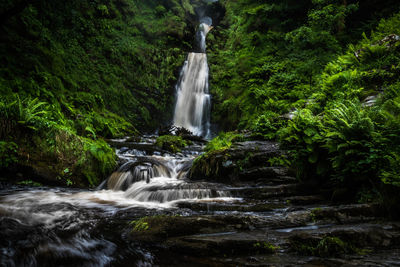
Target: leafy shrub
327 246
349 133
223 141
76 159
27 113
8 153
303 137
30 112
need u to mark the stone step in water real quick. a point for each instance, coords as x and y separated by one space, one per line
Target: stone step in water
299 216
239 206
265 192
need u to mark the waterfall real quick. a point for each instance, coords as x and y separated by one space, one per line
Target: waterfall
133 172
150 180
192 110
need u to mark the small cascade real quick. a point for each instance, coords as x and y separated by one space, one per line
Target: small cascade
192 110
132 172
204 28
151 180
165 190
159 180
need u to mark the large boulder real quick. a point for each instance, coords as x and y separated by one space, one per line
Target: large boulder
243 161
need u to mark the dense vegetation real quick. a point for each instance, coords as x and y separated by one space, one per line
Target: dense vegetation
74 72
322 77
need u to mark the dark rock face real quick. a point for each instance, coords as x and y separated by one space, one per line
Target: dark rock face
244 161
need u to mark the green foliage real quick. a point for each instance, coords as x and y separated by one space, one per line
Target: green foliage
267 58
121 56
8 153
76 72
30 111
265 247
139 225
171 143
349 136
348 144
29 183
223 141
36 132
303 137
26 113
328 246
75 159
338 138
99 161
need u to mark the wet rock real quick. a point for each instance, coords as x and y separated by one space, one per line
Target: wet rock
345 239
226 243
349 213
265 192
243 161
305 200
159 228
242 207
146 147
123 149
17 240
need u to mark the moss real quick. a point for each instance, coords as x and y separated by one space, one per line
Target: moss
265 247
139 225
315 214
210 165
326 246
8 153
223 141
171 143
29 183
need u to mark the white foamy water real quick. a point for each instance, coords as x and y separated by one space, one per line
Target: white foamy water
167 190
193 104
203 30
52 206
193 100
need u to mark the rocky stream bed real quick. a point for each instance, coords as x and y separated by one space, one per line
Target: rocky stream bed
149 214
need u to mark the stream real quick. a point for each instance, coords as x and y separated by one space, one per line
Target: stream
46 226
196 223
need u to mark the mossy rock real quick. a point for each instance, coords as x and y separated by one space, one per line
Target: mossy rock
326 246
233 163
171 143
160 227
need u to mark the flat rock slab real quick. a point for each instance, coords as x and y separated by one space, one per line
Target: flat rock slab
363 235
232 243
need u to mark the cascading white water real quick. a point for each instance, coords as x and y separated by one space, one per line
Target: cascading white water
192 110
204 28
159 182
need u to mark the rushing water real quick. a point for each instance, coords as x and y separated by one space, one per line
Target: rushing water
192 110
60 226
